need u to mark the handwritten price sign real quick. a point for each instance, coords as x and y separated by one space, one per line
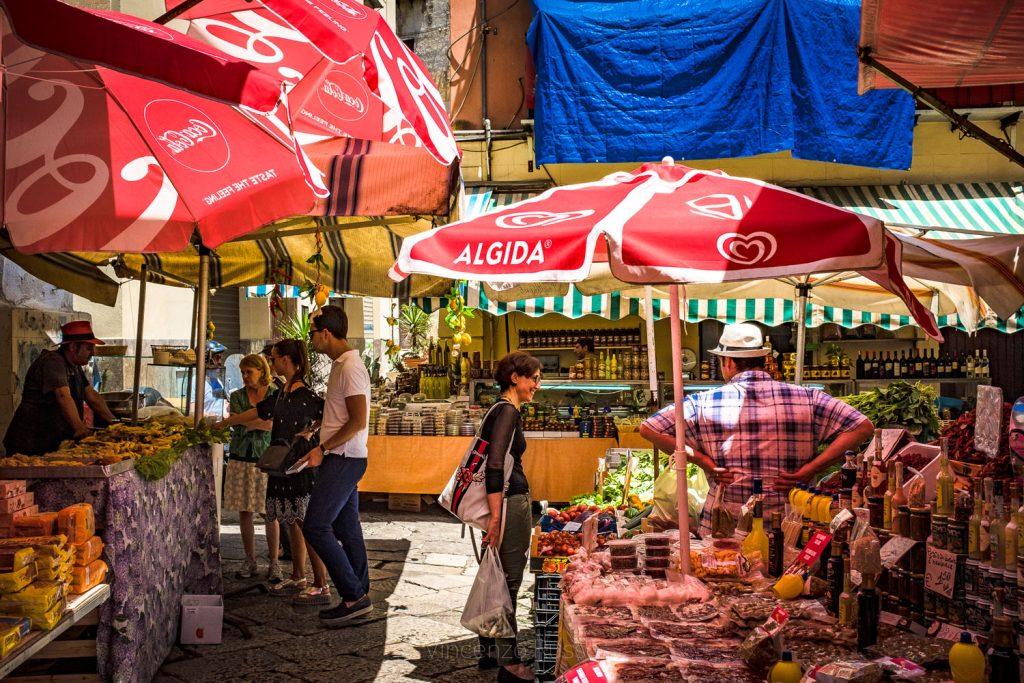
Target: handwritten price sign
940 572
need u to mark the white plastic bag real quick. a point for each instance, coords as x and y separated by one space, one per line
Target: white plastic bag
488 610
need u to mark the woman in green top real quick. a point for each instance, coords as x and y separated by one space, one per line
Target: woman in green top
245 486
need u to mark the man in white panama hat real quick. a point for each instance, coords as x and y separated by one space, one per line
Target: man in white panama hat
757 427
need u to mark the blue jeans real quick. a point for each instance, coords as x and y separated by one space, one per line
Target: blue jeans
332 525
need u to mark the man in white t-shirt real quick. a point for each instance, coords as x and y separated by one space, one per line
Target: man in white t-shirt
332 523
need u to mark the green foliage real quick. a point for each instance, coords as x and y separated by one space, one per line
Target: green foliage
157 466
906 404
641 484
414 324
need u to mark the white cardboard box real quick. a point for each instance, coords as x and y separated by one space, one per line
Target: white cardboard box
202 619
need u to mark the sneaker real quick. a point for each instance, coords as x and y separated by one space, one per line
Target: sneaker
248 571
340 615
313 596
274 575
288 588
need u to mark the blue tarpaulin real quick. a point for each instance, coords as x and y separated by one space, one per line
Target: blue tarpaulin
705 79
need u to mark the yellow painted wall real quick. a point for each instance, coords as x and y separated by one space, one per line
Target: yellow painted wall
940 156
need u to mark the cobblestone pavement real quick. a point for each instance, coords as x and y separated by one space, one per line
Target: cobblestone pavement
421 571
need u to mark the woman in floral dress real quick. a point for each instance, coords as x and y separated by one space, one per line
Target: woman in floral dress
294 409
245 486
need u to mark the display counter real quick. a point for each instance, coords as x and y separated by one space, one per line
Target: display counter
161 541
557 469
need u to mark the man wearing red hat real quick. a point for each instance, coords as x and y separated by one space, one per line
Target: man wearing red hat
54 394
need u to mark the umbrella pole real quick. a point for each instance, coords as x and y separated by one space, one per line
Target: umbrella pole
204 294
679 457
652 363
802 291
137 374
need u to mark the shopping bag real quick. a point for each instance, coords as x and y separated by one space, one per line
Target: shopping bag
488 612
666 510
465 495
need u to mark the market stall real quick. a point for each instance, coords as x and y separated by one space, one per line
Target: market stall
152 494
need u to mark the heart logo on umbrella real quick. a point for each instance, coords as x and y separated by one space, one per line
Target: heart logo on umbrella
747 250
536 219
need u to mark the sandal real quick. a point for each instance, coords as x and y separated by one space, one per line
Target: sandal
288 588
314 595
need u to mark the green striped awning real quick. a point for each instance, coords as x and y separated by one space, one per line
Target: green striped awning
989 207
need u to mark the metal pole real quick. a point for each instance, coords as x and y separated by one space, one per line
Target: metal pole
652 363
192 345
137 375
177 11
679 457
959 121
203 294
802 290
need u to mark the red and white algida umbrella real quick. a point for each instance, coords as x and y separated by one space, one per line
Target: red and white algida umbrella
664 223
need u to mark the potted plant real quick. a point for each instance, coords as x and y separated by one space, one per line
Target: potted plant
413 325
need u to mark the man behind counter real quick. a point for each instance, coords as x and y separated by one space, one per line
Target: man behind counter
584 347
755 426
54 394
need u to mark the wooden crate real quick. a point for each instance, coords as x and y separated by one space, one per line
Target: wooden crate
404 502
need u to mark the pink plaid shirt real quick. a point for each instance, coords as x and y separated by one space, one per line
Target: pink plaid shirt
759 427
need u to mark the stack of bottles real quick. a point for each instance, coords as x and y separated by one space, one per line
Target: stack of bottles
922 364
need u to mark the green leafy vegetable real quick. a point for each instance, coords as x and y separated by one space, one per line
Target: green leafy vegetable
641 484
905 404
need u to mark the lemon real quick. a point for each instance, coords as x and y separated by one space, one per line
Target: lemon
789 586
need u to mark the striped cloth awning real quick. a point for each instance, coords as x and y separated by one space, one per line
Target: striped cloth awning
989 207
771 312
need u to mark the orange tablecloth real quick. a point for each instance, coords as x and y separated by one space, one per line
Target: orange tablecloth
557 469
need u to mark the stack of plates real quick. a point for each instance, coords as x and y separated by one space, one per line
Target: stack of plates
467 428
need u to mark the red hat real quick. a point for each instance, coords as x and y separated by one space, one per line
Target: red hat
78 331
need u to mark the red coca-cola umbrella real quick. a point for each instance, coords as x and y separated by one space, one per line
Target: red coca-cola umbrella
98 160
89 38
351 75
664 223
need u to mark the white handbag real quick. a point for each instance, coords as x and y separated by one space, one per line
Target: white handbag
465 496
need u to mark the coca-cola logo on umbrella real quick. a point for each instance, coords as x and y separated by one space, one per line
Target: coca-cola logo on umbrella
747 250
343 96
188 135
341 9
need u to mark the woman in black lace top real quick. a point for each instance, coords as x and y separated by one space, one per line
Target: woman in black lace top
518 376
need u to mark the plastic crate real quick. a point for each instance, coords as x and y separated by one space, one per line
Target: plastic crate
543 617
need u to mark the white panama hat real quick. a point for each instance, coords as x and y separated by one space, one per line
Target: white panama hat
740 340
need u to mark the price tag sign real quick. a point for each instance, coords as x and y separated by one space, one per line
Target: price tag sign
587 672
812 551
841 518
940 571
895 548
572 527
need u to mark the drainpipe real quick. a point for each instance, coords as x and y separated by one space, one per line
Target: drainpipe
484 30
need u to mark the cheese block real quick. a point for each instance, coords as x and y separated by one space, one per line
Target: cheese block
39 596
77 522
64 558
44 545
84 578
12 582
12 559
45 621
41 524
7 518
86 553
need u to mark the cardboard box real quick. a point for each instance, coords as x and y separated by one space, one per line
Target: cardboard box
15 503
404 502
202 619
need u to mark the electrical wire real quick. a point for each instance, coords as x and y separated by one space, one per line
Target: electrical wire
474 27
